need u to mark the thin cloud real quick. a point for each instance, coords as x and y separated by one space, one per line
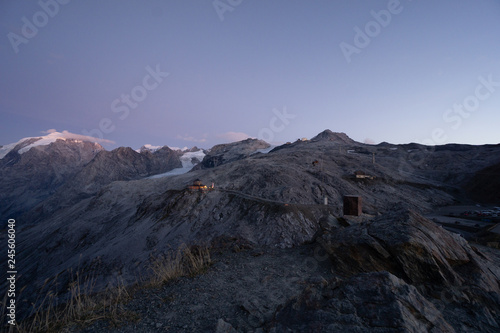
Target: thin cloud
234 136
369 141
53 133
49 131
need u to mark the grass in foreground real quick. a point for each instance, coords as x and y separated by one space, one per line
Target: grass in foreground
84 306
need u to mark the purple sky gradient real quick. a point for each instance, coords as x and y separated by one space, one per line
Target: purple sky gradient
229 78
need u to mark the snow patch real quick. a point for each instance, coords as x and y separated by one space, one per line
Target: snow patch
177 148
264 150
187 164
152 148
44 141
148 147
7 148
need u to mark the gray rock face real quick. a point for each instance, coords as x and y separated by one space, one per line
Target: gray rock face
225 153
223 327
374 302
411 247
461 282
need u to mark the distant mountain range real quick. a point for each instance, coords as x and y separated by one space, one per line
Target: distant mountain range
35 169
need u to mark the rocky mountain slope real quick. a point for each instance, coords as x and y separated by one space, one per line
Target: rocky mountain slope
124 164
485 184
272 200
30 177
45 178
229 152
394 273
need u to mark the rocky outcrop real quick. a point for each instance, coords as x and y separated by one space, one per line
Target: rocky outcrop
461 281
339 138
411 247
374 302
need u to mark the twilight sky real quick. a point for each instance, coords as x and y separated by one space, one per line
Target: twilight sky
202 72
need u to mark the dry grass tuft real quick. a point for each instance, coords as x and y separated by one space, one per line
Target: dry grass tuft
187 261
82 308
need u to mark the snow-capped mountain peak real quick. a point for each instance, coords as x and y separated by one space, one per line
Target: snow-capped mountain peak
26 144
